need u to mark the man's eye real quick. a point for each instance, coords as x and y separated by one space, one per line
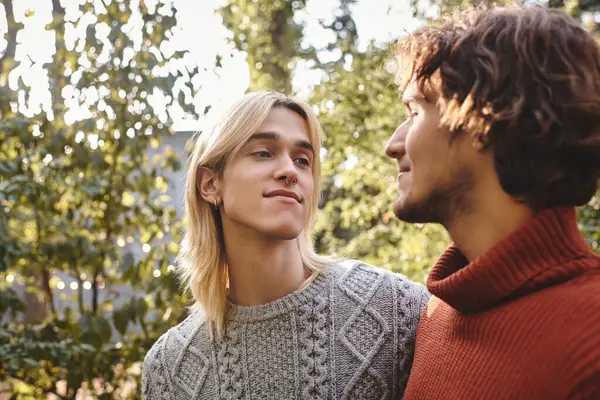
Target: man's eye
304 161
262 154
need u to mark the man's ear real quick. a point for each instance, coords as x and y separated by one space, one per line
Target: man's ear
207 183
480 141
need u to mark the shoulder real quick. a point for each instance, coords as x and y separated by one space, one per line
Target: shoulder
354 273
568 314
161 360
176 338
357 278
576 300
576 304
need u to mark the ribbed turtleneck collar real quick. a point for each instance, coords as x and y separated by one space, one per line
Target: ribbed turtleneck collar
548 249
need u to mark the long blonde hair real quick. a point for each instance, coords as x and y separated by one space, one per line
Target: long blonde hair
202 261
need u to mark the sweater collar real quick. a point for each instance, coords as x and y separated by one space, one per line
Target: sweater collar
316 288
548 249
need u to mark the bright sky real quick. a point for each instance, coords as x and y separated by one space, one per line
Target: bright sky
202 33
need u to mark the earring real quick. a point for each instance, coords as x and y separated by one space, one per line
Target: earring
215 203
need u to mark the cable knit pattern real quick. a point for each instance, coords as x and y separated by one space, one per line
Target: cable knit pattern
230 365
154 388
350 334
364 332
405 333
313 349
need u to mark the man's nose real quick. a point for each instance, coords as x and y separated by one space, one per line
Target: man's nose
286 169
396 145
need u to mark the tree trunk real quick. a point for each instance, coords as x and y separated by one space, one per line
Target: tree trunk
13 28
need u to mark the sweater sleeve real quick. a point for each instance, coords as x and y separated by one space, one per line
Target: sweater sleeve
411 300
154 376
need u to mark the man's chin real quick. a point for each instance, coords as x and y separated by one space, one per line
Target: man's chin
401 210
442 205
286 232
412 213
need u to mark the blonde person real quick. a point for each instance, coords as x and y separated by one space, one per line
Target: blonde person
273 319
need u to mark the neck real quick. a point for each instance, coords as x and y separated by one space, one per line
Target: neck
495 216
262 270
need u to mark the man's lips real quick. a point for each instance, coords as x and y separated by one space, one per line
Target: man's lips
403 168
284 193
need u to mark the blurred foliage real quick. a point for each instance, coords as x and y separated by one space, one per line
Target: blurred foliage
271 38
82 188
83 185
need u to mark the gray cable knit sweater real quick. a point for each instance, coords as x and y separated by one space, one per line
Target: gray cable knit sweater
349 335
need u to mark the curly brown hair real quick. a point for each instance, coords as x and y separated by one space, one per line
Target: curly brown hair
526 82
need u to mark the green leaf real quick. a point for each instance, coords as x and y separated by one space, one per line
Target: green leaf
102 328
30 362
120 320
138 308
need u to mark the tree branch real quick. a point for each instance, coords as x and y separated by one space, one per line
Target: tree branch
57 7
56 86
13 28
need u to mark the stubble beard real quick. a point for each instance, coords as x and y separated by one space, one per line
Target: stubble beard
443 205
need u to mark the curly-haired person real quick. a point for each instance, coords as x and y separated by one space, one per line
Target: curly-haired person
501 143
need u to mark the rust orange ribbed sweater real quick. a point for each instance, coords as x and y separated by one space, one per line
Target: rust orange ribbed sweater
522 321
